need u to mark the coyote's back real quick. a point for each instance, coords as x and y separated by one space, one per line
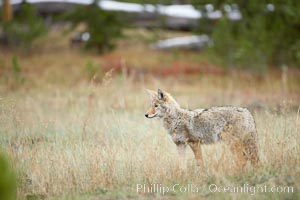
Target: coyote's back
209 124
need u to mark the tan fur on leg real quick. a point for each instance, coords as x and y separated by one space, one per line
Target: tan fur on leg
181 148
236 146
195 146
238 149
250 145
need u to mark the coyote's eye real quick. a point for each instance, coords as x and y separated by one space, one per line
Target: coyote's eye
155 105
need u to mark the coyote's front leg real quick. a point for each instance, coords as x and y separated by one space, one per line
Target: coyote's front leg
181 148
195 146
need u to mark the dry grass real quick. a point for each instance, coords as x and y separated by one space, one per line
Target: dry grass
74 138
94 138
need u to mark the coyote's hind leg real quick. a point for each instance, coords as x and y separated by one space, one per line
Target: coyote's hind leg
250 146
236 146
238 150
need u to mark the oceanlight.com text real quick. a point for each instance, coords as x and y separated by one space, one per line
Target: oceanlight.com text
212 188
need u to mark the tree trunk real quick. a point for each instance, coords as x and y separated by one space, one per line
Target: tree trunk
7 11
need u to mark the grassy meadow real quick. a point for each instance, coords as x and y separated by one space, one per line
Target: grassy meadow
73 125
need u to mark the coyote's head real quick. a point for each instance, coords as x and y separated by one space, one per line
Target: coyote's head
161 104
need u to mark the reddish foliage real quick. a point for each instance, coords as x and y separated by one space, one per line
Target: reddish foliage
120 66
183 68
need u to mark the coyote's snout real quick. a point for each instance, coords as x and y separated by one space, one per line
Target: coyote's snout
233 125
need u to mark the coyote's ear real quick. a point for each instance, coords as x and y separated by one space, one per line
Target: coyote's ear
161 94
151 94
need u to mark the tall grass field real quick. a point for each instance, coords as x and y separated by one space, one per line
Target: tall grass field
70 134
93 141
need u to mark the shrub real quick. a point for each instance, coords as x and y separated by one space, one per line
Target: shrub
24 28
267 34
8 185
103 26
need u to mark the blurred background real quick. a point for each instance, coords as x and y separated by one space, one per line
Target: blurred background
73 75
192 37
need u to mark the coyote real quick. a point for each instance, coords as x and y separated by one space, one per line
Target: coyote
233 125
